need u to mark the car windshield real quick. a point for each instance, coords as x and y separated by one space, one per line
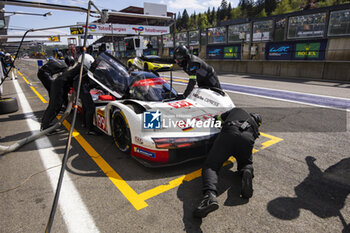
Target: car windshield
111 73
149 87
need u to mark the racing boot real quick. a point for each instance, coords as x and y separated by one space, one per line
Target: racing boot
247 183
207 205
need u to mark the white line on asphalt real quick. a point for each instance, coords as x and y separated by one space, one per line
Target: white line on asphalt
273 98
73 209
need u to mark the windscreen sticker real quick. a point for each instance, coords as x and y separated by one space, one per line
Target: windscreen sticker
149 82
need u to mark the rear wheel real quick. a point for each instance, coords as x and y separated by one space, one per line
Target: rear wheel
8 105
121 132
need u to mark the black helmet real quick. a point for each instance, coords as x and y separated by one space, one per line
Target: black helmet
60 55
69 61
257 118
181 53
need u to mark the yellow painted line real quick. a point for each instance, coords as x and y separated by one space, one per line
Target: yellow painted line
32 97
33 89
193 175
178 80
24 78
38 94
273 140
116 179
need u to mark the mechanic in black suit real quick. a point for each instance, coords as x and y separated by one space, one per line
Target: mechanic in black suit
52 67
237 138
60 88
198 70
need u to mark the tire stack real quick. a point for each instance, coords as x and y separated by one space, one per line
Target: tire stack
8 105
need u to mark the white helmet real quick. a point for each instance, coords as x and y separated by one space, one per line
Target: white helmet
88 60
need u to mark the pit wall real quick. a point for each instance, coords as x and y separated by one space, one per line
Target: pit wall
336 67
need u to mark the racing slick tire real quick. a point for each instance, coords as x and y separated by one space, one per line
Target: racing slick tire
121 132
8 105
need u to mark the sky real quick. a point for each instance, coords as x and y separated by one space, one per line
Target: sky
61 18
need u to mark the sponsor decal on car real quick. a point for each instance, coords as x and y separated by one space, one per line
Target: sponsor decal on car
100 118
138 140
180 104
152 120
207 100
144 152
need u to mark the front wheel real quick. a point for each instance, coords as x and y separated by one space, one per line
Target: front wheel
121 132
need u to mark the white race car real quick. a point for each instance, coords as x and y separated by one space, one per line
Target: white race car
148 119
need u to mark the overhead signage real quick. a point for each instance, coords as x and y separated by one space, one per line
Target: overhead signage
54 38
127 29
76 30
89 37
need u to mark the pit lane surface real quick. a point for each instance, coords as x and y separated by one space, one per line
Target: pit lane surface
301 183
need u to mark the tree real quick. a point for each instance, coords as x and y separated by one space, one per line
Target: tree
270 6
223 4
222 11
203 22
178 22
262 13
212 17
185 20
236 13
246 7
228 11
282 8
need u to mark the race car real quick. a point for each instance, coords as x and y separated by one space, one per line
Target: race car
147 64
148 119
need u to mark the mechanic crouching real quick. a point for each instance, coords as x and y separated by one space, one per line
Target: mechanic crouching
52 67
59 92
237 138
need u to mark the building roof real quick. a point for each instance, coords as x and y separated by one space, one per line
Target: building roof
135 20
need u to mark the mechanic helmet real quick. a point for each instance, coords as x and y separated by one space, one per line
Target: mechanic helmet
7 55
88 60
181 53
69 60
2 53
257 118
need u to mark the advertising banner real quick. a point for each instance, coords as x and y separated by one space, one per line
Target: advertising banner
150 52
127 29
310 50
278 51
224 51
296 50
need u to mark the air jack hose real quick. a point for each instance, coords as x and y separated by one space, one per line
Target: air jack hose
20 143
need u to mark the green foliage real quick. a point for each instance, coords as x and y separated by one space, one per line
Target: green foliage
262 13
282 8
203 22
245 8
270 6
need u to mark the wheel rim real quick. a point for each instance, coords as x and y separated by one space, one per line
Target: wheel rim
121 133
